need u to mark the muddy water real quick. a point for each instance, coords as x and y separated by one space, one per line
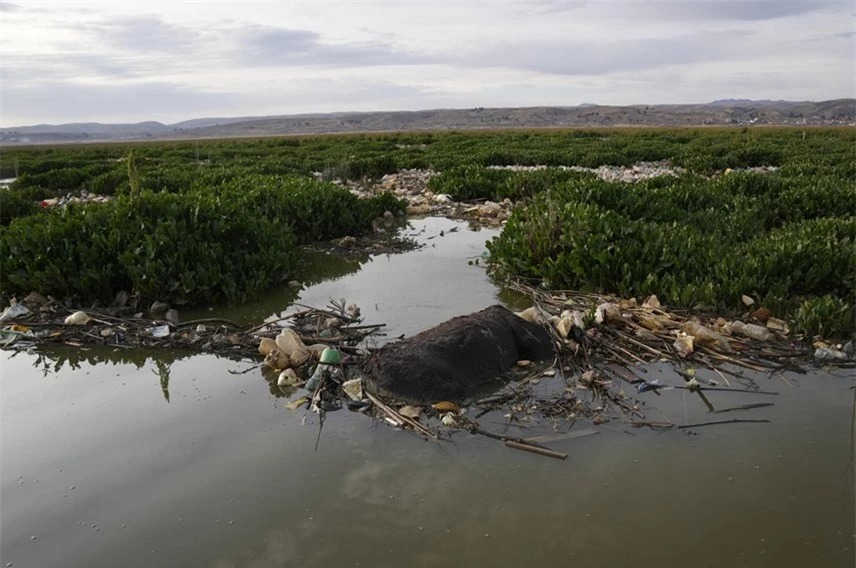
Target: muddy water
110 460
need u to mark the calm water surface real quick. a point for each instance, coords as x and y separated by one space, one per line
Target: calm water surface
110 461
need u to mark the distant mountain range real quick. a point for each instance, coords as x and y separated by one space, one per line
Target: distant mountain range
720 112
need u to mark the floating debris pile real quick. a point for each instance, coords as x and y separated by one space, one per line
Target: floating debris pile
37 320
411 185
603 348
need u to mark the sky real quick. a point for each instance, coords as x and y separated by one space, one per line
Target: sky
126 61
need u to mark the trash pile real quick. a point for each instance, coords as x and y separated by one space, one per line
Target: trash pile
635 173
84 197
632 174
603 347
411 185
37 320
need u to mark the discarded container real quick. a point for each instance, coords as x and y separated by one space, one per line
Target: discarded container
747 300
778 325
316 349
652 302
266 345
706 336
353 311
645 335
14 311
646 386
159 331
449 420
277 360
290 343
354 389
288 378
609 313
321 371
651 323
829 354
313 382
684 345
564 326
80 318
446 406
9 337
762 314
410 412
751 330
171 316
531 315
158 308
330 356
295 404
358 405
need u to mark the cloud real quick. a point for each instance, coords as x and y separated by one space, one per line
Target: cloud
33 103
174 61
173 102
271 46
570 57
67 66
552 6
142 34
723 10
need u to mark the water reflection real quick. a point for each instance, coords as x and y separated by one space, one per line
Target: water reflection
407 292
53 359
317 267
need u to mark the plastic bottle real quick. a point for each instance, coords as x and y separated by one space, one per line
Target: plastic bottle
750 330
827 354
706 336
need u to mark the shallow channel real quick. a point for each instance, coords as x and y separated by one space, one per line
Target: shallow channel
105 465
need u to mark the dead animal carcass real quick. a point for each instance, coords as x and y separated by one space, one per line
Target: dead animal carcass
453 359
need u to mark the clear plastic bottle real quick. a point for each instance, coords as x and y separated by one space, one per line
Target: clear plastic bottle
750 330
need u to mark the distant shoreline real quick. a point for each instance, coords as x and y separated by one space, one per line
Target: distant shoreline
841 112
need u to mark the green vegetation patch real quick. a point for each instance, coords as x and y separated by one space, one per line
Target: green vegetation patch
228 242
695 241
241 206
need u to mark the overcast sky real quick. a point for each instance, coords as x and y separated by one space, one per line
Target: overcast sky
125 61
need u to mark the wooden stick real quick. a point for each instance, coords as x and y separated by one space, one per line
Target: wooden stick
733 421
536 450
354 327
744 407
718 389
517 443
400 418
325 312
567 436
732 360
724 378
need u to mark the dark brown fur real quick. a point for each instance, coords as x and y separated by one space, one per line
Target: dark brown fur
452 360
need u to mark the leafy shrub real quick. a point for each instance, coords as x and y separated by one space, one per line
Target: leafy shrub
195 247
824 316
695 242
14 204
470 181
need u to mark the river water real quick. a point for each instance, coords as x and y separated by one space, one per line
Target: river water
115 459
